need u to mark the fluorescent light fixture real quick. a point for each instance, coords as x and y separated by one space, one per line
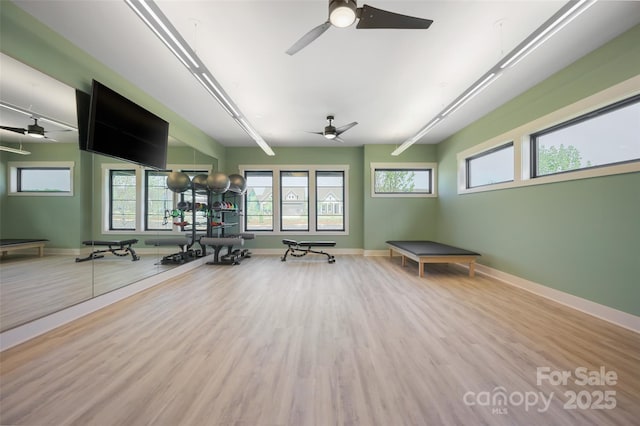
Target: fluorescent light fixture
15 150
221 93
342 13
561 18
406 144
151 14
548 30
37 115
470 93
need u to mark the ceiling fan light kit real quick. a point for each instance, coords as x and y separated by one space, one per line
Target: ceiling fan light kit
342 13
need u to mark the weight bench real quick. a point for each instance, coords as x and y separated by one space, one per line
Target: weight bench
118 248
186 254
232 257
302 248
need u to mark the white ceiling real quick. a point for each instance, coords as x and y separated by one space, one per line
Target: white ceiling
391 81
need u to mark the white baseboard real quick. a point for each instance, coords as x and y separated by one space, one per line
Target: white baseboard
376 252
22 333
62 251
617 317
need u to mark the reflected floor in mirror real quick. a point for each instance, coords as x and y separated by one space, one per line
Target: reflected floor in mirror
32 287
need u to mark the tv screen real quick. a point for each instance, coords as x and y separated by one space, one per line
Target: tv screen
83 103
122 129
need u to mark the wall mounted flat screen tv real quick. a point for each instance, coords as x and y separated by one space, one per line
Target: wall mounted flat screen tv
122 129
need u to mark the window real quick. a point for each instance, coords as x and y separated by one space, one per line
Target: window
595 136
159 201
122 200
403 179
35 178
295 202
302 198
259 201
606 136
330 201
138 199
490 167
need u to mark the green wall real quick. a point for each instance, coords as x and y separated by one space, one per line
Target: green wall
580 237
311 155
396 218
55 218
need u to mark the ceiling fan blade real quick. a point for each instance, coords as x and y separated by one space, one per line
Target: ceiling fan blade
14 129
317 133
338 139
346 127
58 131
306 39
370 18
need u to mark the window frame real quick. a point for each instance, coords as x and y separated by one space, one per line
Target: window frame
482 154
245 208
312 203
343 200
432 168
521 137
141 196
533 138
110 202
282 201
14 169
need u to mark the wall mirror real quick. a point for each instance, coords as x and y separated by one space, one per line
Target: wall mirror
51 190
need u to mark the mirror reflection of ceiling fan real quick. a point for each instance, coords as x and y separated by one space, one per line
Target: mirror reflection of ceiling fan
34 130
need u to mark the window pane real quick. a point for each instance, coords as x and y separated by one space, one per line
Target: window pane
122 203
44 180
402 181
294 199
330 201
159 202
607 136
491 167
259 201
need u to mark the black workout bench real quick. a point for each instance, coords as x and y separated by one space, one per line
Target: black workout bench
302 248
115 247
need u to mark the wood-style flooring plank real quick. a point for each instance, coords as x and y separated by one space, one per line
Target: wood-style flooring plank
363 341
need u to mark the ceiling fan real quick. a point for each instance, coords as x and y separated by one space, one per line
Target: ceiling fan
34 130
331 132
343 13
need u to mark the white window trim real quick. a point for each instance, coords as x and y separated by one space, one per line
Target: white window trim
140 196
12 170
521 143
408 166
312 169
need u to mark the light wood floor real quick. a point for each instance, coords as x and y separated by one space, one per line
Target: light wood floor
32 287
303 342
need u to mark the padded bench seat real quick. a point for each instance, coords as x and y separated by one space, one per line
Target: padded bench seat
11 244
432 252
302 248
117 248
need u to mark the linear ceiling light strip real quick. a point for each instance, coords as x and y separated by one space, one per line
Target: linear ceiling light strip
151 15
559 20
14 150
